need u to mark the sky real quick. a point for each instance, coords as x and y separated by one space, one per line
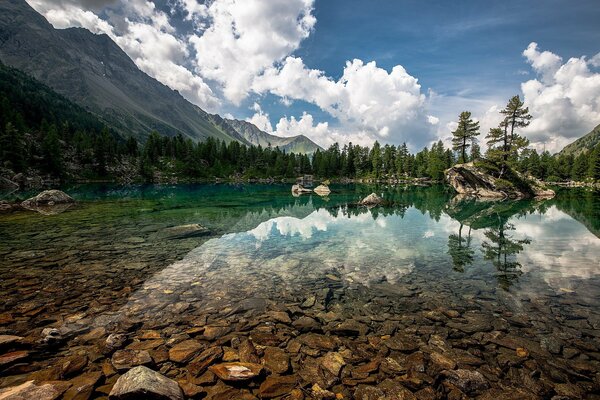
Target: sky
359 71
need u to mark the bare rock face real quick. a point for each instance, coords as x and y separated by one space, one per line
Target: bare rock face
479 181
371 200
143 383
49 202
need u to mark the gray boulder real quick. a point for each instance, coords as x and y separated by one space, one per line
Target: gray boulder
48 198
49 202
144 383
371 200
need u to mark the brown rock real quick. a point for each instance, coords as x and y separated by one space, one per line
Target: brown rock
279 316
248 352
236 371
332 362
206 358
316 341
82 386
9 340
29 390
144 383
9 358
126 359
466 380
214 332
184 351
73 364
275 386
441 362
403 343
306 324
276 360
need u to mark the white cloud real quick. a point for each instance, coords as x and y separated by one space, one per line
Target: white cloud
144 33
564 101
260 119
366 98
303 126
247 37
238 48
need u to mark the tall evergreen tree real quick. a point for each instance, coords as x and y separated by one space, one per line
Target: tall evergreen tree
464 135
504 142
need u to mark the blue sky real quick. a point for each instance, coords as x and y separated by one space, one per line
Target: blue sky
283 65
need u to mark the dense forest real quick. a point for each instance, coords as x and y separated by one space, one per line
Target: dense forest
42 133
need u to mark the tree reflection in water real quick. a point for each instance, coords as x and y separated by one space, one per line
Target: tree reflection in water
501 250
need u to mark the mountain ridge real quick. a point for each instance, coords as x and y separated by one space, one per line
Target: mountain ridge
94 72
583 144
294 144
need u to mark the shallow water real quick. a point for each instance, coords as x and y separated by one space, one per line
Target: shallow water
472 280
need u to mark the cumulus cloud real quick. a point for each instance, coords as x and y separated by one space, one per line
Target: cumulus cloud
565 99
246 37
366 99
238 49
144 33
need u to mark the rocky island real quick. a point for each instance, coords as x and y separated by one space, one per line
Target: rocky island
484 179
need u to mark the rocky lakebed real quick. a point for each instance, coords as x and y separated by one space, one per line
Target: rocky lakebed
285 299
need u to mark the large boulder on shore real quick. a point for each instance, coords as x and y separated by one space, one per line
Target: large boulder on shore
48 198
144 383
486 180
49 202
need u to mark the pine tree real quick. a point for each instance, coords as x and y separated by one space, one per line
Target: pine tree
594 164
504 142
464 135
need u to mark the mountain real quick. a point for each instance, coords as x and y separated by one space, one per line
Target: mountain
94 72
583 144
294 144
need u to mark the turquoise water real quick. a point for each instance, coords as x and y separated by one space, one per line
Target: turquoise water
112 262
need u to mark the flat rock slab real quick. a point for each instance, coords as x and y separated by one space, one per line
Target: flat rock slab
185 351
275 386
125 359
29 390
144 383
236 371
7 340
13 356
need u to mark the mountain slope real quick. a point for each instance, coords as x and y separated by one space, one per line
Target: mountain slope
583 144
294 144
94 72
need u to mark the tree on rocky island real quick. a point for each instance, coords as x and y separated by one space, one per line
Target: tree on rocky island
504 143
465 135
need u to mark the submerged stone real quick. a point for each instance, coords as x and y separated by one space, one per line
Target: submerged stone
236 371
144 383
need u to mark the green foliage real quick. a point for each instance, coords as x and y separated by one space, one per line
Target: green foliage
465 135
504 143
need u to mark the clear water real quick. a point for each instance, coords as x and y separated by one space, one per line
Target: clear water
109 262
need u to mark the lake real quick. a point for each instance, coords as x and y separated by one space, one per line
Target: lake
431 296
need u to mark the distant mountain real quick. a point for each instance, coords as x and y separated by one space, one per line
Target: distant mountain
583 144
94 72
294 144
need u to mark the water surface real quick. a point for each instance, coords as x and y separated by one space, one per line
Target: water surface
473 280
